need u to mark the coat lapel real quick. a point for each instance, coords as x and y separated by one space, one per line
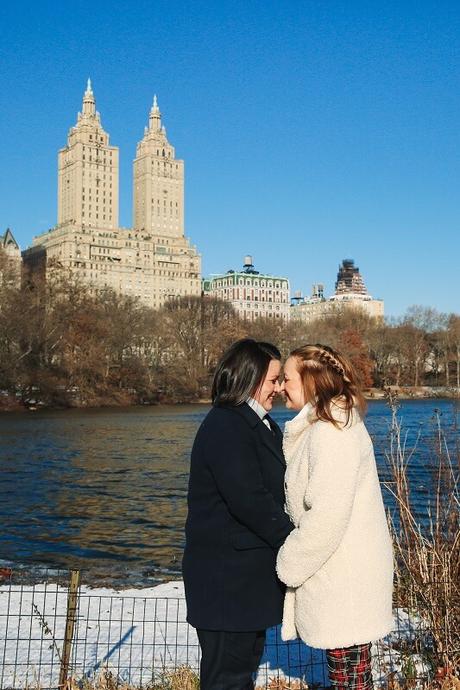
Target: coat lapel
273 441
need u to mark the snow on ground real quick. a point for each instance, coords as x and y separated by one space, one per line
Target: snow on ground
138 633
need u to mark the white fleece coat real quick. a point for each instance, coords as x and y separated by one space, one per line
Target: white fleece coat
338 562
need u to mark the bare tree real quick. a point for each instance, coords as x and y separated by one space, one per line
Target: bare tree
454 338
63 341
196 331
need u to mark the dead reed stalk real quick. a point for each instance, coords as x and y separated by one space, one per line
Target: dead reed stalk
428 554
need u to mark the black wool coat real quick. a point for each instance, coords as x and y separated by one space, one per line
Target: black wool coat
236 523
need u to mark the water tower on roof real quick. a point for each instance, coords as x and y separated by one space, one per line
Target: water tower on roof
248 266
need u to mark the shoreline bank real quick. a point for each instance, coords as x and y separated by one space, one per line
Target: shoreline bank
10 404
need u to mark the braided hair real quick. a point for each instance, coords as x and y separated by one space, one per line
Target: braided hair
328 377
328 357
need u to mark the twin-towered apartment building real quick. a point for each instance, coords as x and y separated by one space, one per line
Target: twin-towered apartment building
153 261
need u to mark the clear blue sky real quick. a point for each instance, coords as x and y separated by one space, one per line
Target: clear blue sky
311 131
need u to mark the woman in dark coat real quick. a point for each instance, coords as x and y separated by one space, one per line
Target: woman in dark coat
236 520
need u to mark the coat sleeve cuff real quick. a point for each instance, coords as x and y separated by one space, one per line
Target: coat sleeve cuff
290 574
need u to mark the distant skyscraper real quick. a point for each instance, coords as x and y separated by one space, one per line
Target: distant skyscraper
88 172
158 182
152 261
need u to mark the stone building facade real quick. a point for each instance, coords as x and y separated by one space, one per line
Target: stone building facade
10 247
251 293
158 180
350 293
88 172
11 253
152 261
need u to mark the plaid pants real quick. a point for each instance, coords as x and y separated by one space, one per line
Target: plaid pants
350 667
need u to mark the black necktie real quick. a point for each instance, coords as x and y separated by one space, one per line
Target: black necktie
266 420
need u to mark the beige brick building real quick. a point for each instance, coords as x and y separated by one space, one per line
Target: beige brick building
88 172
251 293
158 194
152 261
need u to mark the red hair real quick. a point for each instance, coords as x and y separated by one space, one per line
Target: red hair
328 377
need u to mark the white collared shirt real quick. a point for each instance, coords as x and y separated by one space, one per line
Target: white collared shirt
260 410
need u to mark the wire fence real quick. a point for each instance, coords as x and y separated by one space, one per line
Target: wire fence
137 636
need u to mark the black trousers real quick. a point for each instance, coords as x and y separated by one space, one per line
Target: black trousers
228 659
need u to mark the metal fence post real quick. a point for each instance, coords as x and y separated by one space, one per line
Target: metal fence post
72 605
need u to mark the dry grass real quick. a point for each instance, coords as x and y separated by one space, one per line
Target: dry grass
428 558
185 679
182 678
449 682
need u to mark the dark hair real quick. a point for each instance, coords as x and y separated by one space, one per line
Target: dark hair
333 377
241 370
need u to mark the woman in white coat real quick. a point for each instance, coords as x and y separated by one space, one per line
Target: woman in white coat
338 561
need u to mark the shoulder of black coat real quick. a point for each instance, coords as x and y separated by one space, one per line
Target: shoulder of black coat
234 416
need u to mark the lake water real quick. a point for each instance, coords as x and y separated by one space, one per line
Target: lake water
105 490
